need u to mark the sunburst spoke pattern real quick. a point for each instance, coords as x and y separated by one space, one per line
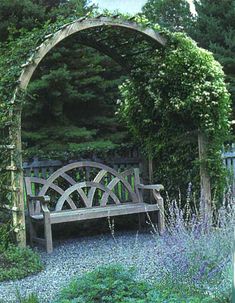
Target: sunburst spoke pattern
85 184
78 187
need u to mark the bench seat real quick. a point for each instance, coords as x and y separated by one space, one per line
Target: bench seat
98 212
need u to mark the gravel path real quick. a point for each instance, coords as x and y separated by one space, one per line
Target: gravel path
77 256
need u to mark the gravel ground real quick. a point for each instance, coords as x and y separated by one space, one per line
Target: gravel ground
77 256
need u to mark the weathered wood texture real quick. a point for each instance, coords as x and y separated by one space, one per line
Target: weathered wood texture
18 214
78 26
87 190
119 161
229 161
205 200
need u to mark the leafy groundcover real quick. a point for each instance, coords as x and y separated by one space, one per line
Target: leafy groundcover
17 263
115 284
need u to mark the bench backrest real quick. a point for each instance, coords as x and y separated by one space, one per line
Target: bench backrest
84 184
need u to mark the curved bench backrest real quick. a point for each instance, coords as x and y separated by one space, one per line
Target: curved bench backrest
84 179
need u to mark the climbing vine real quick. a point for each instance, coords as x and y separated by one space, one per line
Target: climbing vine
176 90
179 92
15 55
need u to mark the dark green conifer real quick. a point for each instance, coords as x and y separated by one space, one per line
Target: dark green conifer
172 14
214 30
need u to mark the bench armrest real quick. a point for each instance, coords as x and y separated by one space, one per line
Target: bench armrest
156 187
44 200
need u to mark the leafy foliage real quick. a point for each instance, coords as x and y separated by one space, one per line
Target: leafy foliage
174 15
17 14
29 299
116 284
180 91
68 142
81 91
214 29
17 263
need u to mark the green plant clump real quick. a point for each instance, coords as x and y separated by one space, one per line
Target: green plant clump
114 284
17 263
179 92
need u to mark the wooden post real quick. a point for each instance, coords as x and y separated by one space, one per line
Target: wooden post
233 271
18 209
150 171
205 202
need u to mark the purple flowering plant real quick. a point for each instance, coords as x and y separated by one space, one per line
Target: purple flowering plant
196 256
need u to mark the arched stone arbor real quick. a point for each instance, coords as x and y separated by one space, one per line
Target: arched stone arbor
124 42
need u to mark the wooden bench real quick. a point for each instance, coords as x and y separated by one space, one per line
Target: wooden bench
87 190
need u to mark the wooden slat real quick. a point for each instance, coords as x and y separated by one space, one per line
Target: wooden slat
44 172
229 161
36 172
84 164
35 180
158 187
51 170
116 181
78 187
39 240
99 212
42 163
97 179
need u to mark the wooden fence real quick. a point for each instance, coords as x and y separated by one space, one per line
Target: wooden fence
229 162
119 161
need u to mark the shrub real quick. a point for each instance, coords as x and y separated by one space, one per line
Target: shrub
195 256
179 90
114 284
17 263
32 298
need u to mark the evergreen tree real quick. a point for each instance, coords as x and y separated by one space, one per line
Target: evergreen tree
73 93
214 29
27 14
73 102
17 14
172 14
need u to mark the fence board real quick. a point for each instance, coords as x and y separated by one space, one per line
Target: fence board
229 161
119 161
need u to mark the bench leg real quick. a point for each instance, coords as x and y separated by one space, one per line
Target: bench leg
161 219
160 213
141 218
32 232
48 233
